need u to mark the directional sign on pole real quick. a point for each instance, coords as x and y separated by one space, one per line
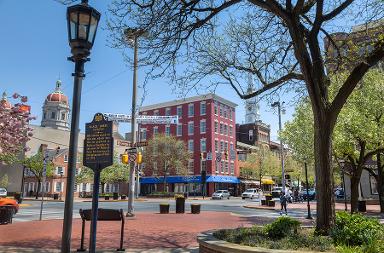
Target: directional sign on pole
143 119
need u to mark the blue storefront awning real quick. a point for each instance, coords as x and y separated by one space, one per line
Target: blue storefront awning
189 179
223 179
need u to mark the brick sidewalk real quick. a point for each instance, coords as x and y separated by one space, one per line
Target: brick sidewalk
145 231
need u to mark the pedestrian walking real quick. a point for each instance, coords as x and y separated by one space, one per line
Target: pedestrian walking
283 202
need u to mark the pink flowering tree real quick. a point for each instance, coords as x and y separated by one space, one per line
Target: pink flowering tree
14 128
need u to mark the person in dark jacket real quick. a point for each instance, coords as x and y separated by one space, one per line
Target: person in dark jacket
283 202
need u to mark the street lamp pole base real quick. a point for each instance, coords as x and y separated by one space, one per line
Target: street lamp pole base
309 217
130 215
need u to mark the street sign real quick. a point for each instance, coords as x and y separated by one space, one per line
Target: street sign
131 151
132 157
98 143
141 144
129 144
209 156
143 119
218 157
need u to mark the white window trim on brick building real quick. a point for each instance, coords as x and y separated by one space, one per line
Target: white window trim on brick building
191 110
203 108
179 130
190 146
191 130
203 145
203 126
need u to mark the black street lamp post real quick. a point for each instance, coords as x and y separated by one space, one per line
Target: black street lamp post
82 21
342 164
309 216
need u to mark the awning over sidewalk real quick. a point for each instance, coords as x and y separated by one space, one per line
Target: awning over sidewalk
189 179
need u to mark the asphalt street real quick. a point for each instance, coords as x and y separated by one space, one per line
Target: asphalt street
30 210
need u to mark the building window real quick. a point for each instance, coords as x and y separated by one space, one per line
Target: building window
84 187
190 145
203 145
222 167
191 167
232 168
217 167
373 184
221 128
221 111
143 134
230 113
225 129
60 171
44 115
179 130
221 146
59 186
156 112
215 109
53 115
179 111
203 126
75 187
63 116
230 131
225 113
216 146
154 171
65 158
167 130
155 130
190 128
191 110
250 135
216 127
226 167
167 111
203 108
231 147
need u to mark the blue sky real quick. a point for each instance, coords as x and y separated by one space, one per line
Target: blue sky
33 52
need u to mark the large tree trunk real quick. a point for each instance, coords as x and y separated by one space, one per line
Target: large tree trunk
380 182
324 175
355 180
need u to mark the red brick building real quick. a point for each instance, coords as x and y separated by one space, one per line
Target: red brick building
207 124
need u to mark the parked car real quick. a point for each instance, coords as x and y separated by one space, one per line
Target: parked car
339 193
311 194
3 192
251 193
221 194
11 203
276 192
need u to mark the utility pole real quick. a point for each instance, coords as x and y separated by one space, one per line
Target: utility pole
278 105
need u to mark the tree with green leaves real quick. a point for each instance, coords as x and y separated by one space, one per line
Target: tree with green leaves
358 134
262 163
35 164
166 155
279 42
115 173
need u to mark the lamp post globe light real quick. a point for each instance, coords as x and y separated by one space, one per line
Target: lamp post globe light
82 21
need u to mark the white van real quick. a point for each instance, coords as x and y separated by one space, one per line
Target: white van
251 193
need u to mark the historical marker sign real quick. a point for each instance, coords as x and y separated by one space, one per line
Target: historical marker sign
98 143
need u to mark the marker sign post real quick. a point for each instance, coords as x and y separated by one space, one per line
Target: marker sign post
98 154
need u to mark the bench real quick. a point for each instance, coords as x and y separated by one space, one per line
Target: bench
102 215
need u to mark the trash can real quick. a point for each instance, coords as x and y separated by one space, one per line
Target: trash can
195 208
115 196
55 196
6 214
362 206
17 197
180 205
164 208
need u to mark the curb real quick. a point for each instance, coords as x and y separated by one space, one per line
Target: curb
260 208
10 249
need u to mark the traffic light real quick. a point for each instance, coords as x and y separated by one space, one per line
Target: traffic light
139 158
201 156
203 176
124 158
226 155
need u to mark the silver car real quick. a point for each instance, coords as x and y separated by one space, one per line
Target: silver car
221 194
251 193
3 192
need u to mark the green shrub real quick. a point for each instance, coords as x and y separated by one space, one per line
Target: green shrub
356 230
282 227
